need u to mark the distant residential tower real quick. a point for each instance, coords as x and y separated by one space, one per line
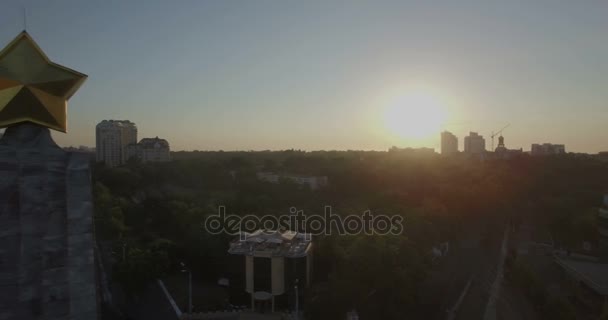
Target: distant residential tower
112 138
449 143
474 143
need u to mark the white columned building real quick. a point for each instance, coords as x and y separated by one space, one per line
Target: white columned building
274 262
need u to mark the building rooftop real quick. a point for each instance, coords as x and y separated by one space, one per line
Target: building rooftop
272 243
151 143
593 274
117 123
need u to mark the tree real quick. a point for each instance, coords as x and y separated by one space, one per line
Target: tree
360 280
143 265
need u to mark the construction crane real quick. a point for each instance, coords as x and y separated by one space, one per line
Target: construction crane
494 134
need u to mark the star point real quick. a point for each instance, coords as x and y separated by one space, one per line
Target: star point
32 88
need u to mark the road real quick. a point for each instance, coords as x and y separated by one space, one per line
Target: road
465 276
490 312
151 304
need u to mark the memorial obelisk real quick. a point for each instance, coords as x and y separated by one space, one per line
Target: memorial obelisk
47 265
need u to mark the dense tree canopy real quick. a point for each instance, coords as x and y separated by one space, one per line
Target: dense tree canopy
158 211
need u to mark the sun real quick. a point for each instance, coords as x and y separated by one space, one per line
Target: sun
415 115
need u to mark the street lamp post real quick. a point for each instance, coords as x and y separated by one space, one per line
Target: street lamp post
297 299
185 269
124 251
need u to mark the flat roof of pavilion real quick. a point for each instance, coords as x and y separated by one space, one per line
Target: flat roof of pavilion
272 243
593 274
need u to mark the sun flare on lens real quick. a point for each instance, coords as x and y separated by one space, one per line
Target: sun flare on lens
415 115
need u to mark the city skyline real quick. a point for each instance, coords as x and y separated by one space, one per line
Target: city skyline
267 75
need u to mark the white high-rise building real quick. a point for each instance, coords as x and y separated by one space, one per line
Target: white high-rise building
112 138
474 143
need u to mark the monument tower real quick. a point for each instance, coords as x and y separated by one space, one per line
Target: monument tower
47 268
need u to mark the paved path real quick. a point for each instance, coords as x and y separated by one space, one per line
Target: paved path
513 305
460 285
151 305
483 267
490 313
454 309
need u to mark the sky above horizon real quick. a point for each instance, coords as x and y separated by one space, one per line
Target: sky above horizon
311 75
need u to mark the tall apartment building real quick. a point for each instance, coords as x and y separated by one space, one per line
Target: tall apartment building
112 138
547 149
150 150
449 143
474 143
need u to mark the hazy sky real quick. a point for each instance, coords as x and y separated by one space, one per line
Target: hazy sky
319 74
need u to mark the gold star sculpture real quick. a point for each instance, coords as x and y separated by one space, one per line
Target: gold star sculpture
32 88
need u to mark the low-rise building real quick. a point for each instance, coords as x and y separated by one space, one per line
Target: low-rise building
546 149
501 152
423 151
275 261
150 150
313 182
602 155
84 149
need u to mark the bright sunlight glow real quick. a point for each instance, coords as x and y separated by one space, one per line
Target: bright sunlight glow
415 115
